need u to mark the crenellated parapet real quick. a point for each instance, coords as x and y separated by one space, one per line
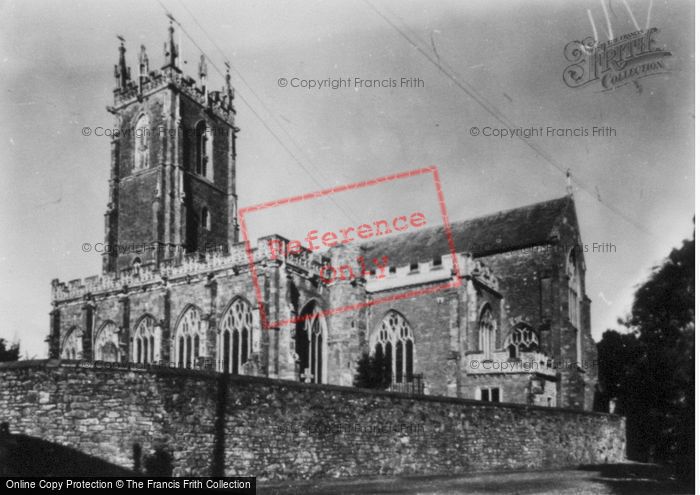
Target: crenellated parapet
236 258
437 270
219 102
277 248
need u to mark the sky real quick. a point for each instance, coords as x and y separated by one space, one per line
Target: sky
634 189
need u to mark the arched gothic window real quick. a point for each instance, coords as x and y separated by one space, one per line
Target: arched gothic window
487 332
393 343
521 339
146 342
573 273
72 347
235 337
106 344
204 150
189 338
310 343
142 134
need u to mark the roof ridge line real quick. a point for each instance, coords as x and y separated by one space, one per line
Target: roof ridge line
496 213
510 210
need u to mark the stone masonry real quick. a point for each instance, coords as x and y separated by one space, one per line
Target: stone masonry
277 429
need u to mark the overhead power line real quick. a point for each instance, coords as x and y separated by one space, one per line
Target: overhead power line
470 91
250 107
272 115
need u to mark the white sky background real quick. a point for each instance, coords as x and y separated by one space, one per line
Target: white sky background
56 76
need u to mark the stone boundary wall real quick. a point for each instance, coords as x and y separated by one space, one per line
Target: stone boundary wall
214 424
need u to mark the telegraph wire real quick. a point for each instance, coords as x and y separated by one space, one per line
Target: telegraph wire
311 163
462 84
470 91
250 107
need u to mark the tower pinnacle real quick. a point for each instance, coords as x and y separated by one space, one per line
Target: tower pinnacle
203 73
121 72
143 67
171 49
229 88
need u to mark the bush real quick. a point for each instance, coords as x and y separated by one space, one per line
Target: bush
372 371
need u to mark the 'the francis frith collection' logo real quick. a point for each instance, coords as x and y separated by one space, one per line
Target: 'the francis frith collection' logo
615 63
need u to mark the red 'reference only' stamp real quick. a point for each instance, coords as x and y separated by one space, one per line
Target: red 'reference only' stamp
375 267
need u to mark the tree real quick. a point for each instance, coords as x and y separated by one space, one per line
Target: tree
650 371
371 372
10 353
615 353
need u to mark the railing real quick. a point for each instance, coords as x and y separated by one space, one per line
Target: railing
413 385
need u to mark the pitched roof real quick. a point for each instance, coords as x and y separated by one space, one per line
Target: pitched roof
499 232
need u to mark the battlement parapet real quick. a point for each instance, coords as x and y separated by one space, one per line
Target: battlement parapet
218 102
148 81
191 264
436 270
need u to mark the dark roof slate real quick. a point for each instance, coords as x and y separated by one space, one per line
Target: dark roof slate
507 230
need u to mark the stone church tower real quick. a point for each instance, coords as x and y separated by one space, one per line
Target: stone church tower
172 186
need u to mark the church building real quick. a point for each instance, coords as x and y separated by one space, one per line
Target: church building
517 328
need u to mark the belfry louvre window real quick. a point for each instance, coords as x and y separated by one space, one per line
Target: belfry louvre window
204 150
235 337
142 136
